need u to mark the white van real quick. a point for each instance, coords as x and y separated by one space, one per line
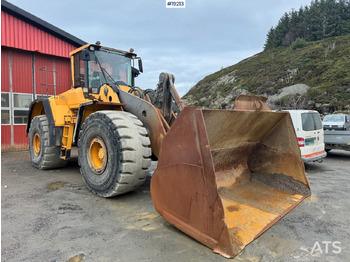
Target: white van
309 130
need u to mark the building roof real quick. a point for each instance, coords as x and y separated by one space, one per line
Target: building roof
40 24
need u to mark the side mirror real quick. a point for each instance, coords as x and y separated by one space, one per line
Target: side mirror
135 72
85 55
140 64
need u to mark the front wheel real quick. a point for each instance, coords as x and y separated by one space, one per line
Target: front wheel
43 156
114 152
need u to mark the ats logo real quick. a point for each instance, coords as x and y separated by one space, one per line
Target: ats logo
326 247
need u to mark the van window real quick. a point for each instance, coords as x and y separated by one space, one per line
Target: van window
311 121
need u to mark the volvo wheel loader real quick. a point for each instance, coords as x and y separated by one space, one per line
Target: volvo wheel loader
223 176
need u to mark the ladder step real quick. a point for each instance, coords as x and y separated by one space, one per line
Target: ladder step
67 136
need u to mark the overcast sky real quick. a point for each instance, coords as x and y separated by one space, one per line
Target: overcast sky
190 42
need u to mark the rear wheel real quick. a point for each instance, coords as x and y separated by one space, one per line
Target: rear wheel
114 152
43 156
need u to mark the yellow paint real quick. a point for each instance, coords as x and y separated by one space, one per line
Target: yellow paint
107 48
79 49
72 71
97 154
67 137
68 102
74 98
36 144
125 88
110 97
248 209
64 104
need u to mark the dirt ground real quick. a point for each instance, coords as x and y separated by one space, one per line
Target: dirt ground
52 216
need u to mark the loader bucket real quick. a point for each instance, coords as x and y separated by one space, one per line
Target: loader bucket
225 176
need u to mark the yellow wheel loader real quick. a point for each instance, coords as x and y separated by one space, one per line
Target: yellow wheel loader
223 176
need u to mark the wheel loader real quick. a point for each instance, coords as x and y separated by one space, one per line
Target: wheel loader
223 176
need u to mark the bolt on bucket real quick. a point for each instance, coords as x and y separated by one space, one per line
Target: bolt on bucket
225 176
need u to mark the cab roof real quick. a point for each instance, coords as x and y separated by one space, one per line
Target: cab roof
131 53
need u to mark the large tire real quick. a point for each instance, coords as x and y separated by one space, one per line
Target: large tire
43 156
114 153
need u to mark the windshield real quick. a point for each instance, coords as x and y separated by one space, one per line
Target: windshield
311 121
110 67
334 118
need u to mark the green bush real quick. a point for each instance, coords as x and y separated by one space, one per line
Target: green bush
298 43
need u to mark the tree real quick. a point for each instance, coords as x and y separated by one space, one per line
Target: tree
322 19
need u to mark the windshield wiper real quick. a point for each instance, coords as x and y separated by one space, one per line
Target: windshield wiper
105 72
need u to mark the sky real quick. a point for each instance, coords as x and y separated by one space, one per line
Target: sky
190 42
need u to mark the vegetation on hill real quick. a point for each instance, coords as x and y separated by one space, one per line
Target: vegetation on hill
305 64
322 19
322 65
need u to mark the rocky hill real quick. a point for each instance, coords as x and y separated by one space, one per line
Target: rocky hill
308 75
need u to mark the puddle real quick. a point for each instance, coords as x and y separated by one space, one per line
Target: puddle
54 186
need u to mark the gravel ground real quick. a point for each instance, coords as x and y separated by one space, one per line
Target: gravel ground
52 216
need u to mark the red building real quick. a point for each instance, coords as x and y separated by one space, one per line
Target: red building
34 62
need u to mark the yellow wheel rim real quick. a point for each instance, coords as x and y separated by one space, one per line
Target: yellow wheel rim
36 144
97 155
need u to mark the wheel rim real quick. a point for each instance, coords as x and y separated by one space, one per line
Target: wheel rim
36 144
97 155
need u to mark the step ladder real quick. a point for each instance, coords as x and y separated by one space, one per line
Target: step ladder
67 137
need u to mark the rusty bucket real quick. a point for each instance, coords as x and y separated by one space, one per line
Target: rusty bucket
225 176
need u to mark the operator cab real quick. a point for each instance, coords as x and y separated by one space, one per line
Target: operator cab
95 66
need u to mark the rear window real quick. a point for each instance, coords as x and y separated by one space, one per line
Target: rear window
311 121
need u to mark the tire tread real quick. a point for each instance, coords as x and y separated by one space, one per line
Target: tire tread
135 151
51 154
